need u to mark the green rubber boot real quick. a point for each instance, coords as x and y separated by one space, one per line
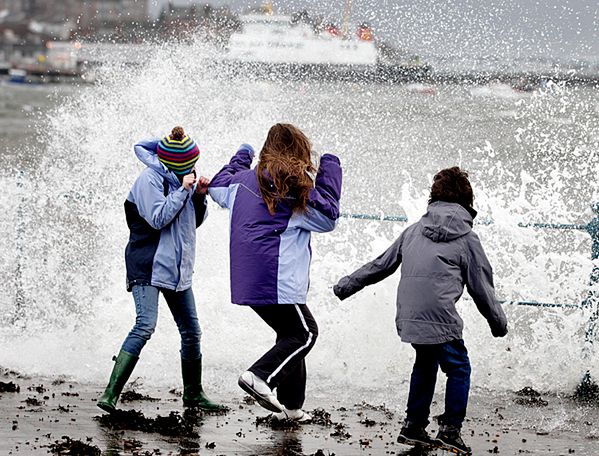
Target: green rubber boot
123 366
193 393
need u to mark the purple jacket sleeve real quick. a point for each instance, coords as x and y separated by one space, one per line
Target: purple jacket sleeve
219 186
478 276
323 206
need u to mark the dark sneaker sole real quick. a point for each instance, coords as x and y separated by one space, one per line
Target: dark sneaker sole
301 420
259 398
414 442
452 449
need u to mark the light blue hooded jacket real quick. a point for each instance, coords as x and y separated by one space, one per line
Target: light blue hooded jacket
162 217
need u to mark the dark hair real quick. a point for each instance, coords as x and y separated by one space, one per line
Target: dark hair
177 134
452 185
285 161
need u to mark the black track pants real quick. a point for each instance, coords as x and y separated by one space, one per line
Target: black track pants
283 366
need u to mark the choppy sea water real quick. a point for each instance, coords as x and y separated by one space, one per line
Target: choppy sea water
68 165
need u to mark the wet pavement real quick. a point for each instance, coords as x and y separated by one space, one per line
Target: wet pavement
55 416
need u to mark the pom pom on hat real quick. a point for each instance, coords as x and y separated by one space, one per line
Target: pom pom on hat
178 152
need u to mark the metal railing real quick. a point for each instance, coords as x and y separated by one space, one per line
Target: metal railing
587 386
592 228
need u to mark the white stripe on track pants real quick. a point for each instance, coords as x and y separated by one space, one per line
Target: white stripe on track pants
283 366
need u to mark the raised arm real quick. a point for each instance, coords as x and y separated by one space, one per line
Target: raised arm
323 206
145 148
478 276
375 271
219 186
148 194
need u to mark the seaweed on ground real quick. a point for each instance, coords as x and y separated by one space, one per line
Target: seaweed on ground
340 432
9 387
73 447
249 400
275 423
34 402
172 425
40 389
379 408
129 396
368 422
529 397
321 417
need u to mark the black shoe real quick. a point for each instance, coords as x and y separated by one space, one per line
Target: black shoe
415 436
451 440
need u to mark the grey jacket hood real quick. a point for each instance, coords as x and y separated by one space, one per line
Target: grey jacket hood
445 222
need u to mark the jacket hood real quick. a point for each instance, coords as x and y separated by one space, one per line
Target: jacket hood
150 159
444 222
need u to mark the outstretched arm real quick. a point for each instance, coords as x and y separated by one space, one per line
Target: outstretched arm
371 273
219 186
478 276
323 205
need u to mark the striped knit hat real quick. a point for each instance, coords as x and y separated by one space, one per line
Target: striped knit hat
178 152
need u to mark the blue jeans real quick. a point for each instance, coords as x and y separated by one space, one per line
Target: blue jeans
452 357
183 308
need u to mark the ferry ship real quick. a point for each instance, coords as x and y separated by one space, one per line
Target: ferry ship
282 44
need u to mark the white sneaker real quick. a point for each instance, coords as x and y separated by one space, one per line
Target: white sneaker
259 390
297 415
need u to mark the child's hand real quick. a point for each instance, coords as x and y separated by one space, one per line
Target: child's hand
341 289
499 331
188 181
202 187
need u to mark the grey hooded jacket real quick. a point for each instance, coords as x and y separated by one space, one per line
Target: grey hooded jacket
438 256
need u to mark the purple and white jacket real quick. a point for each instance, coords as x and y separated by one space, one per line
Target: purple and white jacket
270 254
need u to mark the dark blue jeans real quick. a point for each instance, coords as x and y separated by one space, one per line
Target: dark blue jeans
452 357
182 306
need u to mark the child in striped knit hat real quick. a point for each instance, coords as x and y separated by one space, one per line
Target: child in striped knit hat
164 207
178 152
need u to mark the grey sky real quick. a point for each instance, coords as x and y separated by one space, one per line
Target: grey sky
502 28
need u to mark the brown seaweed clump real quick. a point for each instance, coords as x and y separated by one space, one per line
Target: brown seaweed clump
130 396
73 448
172 425
529 397
273 423
9 387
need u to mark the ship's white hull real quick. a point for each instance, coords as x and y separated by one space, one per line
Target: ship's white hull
277 40
293 50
